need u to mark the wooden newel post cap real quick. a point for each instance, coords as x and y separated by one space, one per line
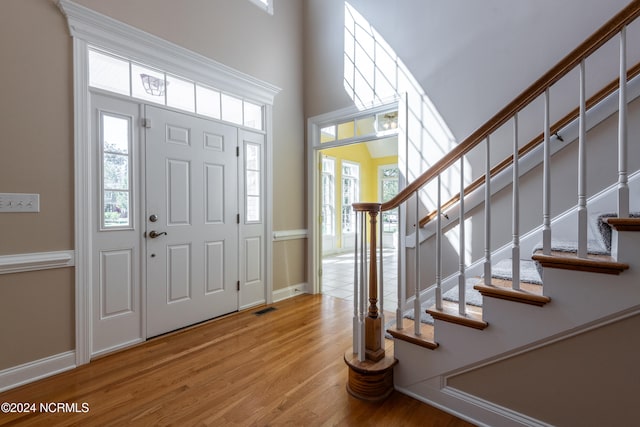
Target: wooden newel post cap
371 207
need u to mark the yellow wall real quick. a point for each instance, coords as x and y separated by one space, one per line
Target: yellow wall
369 183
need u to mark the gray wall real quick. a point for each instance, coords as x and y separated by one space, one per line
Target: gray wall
564 384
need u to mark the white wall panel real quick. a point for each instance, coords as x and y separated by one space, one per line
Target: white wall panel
116 282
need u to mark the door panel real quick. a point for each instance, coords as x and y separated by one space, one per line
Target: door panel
252 232
192 189
116 298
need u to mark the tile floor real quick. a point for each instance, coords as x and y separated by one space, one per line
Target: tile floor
337 275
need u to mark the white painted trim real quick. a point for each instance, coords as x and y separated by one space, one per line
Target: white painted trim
291 291
89 27
20 263
289 235
509 415
36 370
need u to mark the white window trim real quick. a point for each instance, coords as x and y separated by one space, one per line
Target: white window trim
91 28
268 7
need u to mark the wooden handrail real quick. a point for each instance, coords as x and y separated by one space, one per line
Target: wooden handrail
591 44
573 115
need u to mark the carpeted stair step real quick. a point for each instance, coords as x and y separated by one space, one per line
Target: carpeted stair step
501 285
594 263
564 254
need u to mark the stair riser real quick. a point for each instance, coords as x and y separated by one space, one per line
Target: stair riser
624 248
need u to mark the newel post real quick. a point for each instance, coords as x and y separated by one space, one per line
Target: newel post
374 349
371 376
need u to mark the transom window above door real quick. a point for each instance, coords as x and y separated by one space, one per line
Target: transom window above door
126 77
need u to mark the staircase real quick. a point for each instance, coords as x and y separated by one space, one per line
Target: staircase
475 342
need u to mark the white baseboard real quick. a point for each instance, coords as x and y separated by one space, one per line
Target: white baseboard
291 291
38 369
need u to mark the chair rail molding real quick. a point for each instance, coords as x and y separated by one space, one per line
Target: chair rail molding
20 263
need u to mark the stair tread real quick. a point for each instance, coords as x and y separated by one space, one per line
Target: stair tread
624 224
528 293
407 333
450 313
571 261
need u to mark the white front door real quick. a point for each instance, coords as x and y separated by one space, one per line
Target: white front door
191 219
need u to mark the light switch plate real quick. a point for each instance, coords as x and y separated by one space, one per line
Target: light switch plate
16 202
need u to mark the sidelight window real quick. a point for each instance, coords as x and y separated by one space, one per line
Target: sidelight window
115 150
350 195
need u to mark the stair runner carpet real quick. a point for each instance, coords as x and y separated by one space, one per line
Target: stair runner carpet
530 271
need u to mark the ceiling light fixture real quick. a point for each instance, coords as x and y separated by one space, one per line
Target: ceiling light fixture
153 85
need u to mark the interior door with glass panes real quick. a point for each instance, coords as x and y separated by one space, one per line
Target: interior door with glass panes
191 219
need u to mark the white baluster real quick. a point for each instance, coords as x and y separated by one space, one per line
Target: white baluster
487 214
363 285
462 303
356 293
515 247
400 271
416 301
439 248
546 180
582 169
623 185
381 277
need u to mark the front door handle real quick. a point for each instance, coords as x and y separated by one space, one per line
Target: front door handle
153 234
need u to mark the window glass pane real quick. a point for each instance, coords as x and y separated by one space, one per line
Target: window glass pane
115 142
350 195
180 94
116 209
115 134
253 156
328 134
108 73
231 109
345 130
365 126
253 209
328 196
147 84
253 183
116 172
208 102
252 115
387 121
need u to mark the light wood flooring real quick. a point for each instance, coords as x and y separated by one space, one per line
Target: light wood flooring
284 367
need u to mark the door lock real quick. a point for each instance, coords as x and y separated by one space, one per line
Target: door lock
153 234
153 218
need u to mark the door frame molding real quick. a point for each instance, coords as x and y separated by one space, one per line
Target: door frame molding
314 148
88 27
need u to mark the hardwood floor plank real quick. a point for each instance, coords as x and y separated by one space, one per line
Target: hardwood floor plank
284 367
